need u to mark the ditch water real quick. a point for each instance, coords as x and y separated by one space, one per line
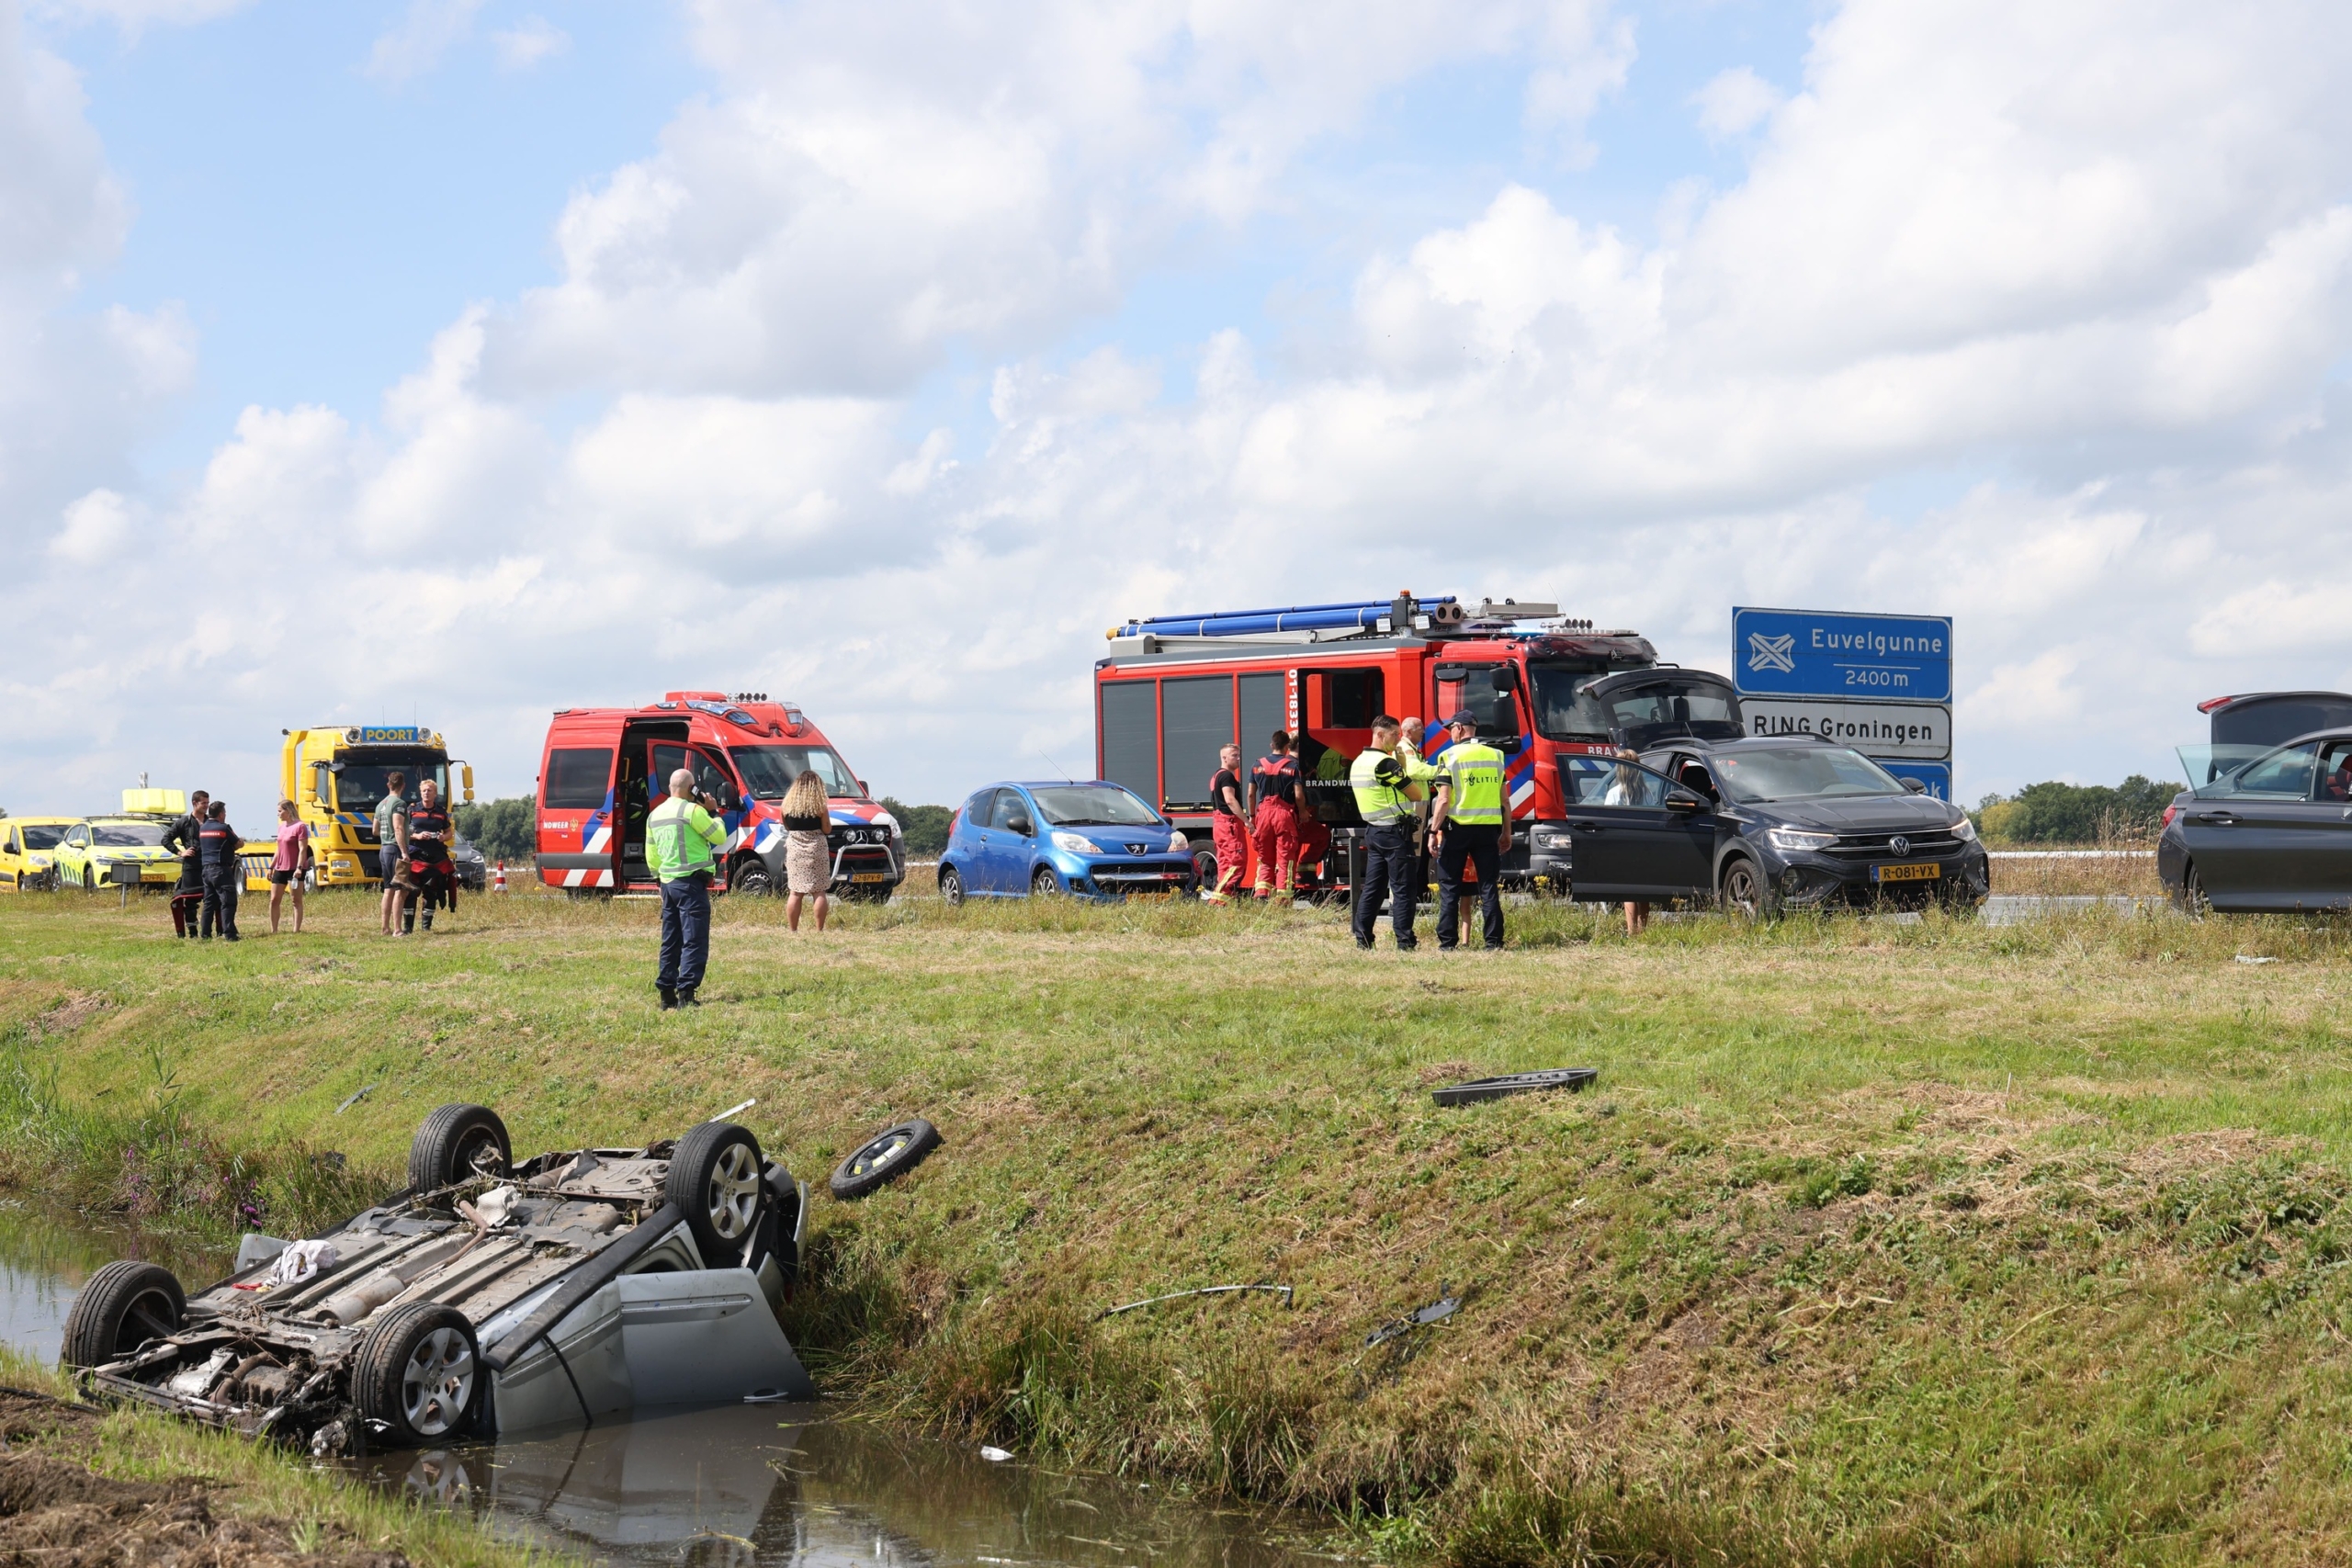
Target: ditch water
744 1486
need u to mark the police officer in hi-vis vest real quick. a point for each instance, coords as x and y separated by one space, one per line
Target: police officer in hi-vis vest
1386 787
680 835
1472 825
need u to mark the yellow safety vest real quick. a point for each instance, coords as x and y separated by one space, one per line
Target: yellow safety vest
1475 780
1382 804
679 836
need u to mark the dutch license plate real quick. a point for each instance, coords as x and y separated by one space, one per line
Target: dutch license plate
869 876
1915 871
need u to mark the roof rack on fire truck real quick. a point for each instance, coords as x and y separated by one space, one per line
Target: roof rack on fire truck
1348 619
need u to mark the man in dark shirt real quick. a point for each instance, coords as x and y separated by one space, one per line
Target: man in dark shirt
1230 821
216 851
180 839
428 848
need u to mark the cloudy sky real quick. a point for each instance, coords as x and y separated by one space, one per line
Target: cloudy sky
458 360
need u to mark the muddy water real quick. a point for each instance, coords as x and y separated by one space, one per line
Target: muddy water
733 1487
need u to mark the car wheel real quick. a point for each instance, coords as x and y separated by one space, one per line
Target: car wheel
751 875
883 1158
951 885
418 1370
458 1143
715 1180
121 1307
1743 891
1203 869
1044 884
2192 900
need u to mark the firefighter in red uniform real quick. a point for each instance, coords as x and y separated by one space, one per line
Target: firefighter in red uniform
1273 786
1231 819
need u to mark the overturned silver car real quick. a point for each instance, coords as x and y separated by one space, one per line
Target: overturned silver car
492 1298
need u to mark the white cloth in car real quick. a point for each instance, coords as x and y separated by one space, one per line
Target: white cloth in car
301 1260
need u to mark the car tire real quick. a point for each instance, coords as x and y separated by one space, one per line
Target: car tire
715 1180
1044 884
418 1370
1743 891
749 876
1204 869
2192 900
883 1158
121 1307
951 885
458 1143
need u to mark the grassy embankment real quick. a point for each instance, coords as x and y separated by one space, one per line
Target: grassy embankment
1877 1242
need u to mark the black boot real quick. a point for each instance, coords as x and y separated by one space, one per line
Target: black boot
669 999
686 997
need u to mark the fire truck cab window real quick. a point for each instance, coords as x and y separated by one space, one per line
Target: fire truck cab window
768 771
1345 699
1562 710
577 778
1483 690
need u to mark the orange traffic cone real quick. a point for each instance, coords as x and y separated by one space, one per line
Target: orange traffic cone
499 885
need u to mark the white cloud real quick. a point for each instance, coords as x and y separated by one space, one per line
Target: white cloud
528 42
97 529
134 16
1735 102
426 31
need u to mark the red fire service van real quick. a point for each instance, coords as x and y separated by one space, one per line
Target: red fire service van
604 769
1175 688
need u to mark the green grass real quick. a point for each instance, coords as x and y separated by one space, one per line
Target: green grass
1874 1244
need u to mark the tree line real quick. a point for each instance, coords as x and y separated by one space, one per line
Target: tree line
2055 813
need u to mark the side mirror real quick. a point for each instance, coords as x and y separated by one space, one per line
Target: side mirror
1504 678
863 791
1683 800
468 776
1914 786
1023 825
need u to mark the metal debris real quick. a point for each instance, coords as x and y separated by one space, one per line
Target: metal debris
1436 1312
1470 1093
354 1099
1282 1291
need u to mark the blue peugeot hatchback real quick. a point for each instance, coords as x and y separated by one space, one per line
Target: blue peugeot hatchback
1093 839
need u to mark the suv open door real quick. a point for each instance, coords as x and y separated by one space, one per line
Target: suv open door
1635 833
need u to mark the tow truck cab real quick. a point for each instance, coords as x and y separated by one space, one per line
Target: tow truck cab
603 770
336 775
1174 688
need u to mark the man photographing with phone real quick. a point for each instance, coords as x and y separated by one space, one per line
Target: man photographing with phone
680 838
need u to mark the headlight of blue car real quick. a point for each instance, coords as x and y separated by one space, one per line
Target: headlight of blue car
1073 843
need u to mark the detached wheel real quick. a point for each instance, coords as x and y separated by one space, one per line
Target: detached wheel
418 1370
458 1143
1743 893
751 875
121 1307
715 1182
885 1158
951 885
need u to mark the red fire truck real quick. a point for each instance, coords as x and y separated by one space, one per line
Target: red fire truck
1176 688
604 769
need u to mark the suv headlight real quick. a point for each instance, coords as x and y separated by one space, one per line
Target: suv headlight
1074 843
1800 839
1964 830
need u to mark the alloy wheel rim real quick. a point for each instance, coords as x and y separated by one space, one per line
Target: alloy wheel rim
879 1153
438 1382
734 1192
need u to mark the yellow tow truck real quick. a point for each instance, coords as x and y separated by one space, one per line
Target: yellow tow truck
334 775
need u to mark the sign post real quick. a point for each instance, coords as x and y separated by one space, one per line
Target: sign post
1879 684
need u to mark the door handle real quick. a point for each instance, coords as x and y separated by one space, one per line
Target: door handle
2215 819
1586 827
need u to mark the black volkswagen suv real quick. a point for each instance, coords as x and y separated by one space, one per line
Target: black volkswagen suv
1764 824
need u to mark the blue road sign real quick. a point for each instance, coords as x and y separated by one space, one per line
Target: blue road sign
1826 653
1937 777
